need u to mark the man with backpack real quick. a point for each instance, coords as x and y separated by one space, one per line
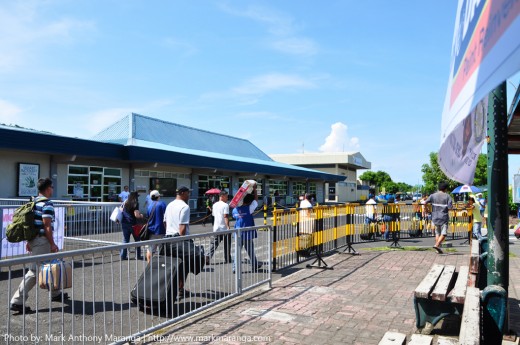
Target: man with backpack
43 243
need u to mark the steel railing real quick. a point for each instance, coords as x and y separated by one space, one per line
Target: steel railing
298 233
100 308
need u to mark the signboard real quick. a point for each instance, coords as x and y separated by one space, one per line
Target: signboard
28 175
8 249
485 52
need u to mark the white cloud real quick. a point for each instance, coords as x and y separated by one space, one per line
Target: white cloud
23 32
281 27
296 46
338 140
9 113
273 82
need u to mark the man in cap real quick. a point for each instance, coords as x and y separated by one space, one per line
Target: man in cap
441 204
155 213
177 215
177 219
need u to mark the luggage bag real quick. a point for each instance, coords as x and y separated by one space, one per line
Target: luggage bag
157 286
192 256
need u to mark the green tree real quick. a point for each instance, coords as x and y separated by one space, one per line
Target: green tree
391 187
404 187
370 177
432 174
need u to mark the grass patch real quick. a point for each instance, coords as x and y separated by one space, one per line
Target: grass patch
512 255
409 249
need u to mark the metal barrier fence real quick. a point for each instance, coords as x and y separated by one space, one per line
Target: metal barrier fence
100 309
83 224
298 233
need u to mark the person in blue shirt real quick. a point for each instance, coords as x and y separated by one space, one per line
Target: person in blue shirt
156 226
244 218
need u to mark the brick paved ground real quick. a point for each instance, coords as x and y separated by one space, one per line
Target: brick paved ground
356 303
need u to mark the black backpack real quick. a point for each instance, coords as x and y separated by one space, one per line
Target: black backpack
22 227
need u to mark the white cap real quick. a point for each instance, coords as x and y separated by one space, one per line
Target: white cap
154 193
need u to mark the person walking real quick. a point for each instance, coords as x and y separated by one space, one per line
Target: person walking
177 214
221 223
177 219
155 213
441 204
130 216
477 217
124 194
244 218
43 243
209 206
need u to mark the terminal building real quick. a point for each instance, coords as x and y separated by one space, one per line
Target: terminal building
345 164
146 153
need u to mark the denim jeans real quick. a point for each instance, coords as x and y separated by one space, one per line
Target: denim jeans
127 232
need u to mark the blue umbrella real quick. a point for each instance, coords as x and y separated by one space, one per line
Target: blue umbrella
466 189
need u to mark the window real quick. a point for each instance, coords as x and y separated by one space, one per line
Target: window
93 183
278 186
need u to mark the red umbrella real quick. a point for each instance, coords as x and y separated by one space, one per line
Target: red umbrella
213 191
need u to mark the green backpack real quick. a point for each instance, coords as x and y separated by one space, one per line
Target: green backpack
22 227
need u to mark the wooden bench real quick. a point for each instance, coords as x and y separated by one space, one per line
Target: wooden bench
445 292
441 293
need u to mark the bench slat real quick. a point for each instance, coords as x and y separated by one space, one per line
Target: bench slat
393 338
474 257
427 284
458 294
444 283
421 339
447 341
470 323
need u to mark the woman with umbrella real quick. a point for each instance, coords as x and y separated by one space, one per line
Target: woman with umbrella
209 205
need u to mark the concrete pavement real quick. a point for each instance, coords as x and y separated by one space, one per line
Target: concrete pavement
355 303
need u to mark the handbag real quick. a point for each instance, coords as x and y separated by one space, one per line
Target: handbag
144 232
55 275
117 214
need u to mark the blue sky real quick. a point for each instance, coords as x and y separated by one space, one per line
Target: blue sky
367 76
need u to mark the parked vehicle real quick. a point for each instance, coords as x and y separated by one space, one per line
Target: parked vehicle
416 196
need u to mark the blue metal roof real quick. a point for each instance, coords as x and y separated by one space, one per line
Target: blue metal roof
135 129
125 141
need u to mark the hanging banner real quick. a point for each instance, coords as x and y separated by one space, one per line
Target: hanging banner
8 249
485 52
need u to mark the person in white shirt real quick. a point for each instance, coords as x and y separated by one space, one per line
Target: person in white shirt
220 212
177 219
177 215
370 210
306 221
124 194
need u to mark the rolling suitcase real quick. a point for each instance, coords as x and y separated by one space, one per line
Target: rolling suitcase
192 256
157 287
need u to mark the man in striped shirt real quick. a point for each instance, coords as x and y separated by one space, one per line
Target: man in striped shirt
43 243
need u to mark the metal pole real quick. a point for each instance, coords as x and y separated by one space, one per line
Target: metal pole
498 210
495 317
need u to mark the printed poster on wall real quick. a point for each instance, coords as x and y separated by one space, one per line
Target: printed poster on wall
485 52
28 175
8 250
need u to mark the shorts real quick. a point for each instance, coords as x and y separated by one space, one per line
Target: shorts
441 229
152 248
